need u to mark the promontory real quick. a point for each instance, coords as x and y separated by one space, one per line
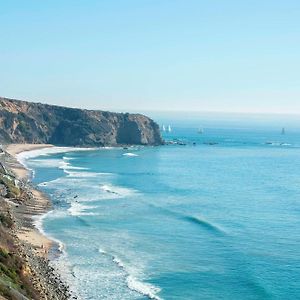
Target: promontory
37 123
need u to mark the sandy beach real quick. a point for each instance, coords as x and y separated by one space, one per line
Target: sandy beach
14 149
38 204
21 206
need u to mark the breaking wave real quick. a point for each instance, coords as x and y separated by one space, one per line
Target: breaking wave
117 191
145 289
130 154
78 209
85 174
23 156
278 144
67 166
38 221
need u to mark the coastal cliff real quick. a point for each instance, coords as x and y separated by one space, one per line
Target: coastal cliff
36 123
25 272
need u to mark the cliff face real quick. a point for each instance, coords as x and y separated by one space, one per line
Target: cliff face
26 122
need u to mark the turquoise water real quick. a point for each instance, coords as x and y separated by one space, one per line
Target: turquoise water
198 221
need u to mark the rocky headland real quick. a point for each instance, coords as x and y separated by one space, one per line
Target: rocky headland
37 123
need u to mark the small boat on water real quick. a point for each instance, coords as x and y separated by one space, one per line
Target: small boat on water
163 128
200 131
169 128
283 131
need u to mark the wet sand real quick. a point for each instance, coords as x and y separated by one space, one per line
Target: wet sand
38 203
14 149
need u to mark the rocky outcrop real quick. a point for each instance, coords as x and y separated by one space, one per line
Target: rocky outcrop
26 122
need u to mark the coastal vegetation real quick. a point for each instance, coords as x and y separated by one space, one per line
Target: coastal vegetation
9 182
15 274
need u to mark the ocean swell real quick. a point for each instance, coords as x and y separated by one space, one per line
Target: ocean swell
204 224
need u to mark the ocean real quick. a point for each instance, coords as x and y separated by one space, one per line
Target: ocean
217 217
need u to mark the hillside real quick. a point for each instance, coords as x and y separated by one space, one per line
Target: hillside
26 122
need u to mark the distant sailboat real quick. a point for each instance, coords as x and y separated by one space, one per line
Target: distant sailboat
169 128
283 131
163 128
200 131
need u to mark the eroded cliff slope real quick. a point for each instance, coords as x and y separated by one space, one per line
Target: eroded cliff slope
26 122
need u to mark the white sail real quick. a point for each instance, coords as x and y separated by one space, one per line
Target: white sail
163 128
169 128
200 130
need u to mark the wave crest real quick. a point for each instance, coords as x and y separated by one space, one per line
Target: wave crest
205 224
117 191
130 154
145 289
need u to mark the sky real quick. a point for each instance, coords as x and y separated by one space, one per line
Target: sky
156 55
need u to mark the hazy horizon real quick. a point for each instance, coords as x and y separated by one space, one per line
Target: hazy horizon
190 113
231 56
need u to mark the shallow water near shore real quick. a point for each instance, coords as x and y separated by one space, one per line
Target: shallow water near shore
217 218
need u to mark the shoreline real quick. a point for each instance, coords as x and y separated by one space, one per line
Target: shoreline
15 149
23 205
40 205
30 213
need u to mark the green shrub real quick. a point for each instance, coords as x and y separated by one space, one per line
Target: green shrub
3 254
13 190
5 292
9 272
6 220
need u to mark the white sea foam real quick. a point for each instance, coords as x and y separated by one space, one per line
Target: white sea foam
68 186
63 267
75 181
130 154
86 174
62 164
38 223
22 157
118 262
143 288
46 163
50 150
53 163
65 166
277 144
102 251
78 209
62 264
68 158
146 289
117 191
74 189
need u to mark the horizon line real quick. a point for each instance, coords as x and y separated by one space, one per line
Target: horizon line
155 110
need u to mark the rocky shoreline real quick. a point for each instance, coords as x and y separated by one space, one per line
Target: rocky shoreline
25 271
